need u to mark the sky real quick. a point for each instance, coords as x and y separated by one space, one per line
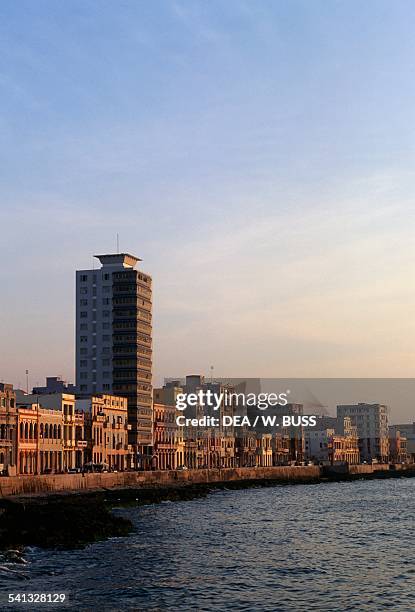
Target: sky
258 156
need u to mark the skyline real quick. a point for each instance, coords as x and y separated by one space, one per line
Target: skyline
257 158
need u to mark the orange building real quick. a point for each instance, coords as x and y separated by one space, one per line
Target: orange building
8 430
105 431
40 445
165 436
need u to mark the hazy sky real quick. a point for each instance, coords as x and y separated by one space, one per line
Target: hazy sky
259 156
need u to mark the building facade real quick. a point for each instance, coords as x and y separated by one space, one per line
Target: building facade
8 430
40 445
106 431
371 421
165 437
65 403
406 430
114 341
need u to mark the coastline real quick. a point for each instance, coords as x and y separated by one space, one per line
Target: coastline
74 518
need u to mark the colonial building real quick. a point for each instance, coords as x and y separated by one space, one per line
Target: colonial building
165 437
329 446
264 450
8 430
245 448
406 430
106 431
40 445
371 421
65 403
398 447
280 449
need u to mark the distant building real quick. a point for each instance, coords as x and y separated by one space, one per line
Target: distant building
245 447
371 421
317 444
8 430
106 431
165 436
344 448
398 446
114 341
264 450
54 384
281 448
329 447
406 430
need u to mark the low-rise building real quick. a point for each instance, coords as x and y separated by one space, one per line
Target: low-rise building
398 447
264 450
280 449
245 447
54 384
371 421
165 437
406 430
105 431
40 447
317 444
65 402
8 430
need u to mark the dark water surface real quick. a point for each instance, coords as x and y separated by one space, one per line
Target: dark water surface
335 546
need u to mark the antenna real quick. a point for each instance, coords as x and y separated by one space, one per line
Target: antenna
211 374
118 243
27 382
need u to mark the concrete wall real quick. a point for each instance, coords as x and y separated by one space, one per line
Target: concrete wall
34 485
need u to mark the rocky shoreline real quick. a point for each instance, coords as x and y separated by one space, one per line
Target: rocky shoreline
76 519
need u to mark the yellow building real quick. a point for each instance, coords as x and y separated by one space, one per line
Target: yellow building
8 430
40 447
106 431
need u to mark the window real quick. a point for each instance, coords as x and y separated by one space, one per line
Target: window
84 278
105 362
106 350
106 289
106 387
105 326
83 302
84 326
84 375
84 314
105 313
83 351
106 338
84 338
106 276
83 290
105 301
106 374
83 363
84 387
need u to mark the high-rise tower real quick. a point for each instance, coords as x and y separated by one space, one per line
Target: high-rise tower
114 340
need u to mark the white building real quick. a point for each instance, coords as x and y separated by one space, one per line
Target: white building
114 340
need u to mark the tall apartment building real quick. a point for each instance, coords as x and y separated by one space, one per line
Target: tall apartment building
371 421
114 341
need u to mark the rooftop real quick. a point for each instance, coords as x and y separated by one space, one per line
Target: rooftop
125 260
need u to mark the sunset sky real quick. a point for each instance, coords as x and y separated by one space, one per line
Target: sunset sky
258 156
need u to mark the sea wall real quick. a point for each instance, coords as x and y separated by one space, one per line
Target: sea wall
56 483
12 486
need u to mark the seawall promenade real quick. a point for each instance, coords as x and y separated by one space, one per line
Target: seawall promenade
66 483
59 483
